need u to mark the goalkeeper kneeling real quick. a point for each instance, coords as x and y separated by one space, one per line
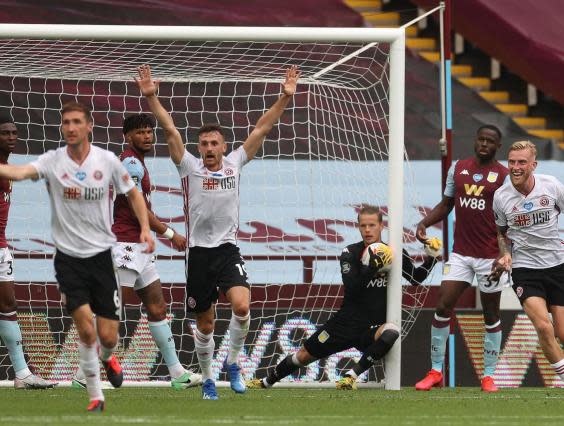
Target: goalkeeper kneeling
361 320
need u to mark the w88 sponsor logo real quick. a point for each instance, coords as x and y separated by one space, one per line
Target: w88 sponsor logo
473 203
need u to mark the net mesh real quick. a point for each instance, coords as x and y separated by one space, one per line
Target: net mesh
299 197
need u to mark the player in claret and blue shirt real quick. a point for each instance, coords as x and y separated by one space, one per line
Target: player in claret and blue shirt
470 187
10 332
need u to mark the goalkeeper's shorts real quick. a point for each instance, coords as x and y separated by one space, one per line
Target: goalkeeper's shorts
337 335
465 268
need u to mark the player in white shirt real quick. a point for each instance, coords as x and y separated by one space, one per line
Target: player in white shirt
526 214
211 200
78 177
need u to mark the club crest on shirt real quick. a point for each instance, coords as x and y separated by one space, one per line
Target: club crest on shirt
228 172
346 268
323 336
477 177
492 177
98 175
544 201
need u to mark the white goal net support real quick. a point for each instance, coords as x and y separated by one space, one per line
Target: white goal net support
339 145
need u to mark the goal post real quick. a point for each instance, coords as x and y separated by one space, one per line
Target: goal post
338 146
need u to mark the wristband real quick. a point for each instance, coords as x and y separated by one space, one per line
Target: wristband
169 233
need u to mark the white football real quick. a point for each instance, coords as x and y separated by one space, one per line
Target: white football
383 256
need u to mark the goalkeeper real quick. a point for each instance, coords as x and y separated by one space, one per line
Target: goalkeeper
361 320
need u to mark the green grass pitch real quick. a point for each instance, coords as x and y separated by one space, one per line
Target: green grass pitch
164 406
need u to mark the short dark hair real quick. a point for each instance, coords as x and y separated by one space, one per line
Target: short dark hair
5 118
138 121
77 106
211 127
490 127
369 209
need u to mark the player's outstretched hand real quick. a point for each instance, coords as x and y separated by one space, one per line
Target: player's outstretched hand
499 266
147 238
433 247
421 232
291 82
147 85
178 242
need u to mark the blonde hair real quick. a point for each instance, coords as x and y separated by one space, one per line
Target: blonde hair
519 145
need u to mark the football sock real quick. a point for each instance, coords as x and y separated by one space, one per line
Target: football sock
287 366
205 346
238 329
492 346
12 337
91 369
162 335
559 368
440 330
375 351
106 353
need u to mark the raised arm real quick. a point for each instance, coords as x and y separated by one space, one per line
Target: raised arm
414 275
270 117
18 172
149 88
139 207
439 212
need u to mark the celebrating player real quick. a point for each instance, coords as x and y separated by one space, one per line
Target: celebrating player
9 328
526 212
78 177
211 200
361 320
137 269
470 186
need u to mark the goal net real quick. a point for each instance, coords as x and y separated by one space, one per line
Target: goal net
330 153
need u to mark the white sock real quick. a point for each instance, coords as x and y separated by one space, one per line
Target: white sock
79 375
22 374
559 368
176 370
205 347
91 368
352 374
106 353
238 329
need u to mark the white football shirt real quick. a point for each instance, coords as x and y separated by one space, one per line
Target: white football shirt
532 222
80 198
211 199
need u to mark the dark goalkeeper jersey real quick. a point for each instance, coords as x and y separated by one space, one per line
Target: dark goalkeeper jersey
364 301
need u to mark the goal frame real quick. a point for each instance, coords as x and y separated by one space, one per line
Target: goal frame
395 37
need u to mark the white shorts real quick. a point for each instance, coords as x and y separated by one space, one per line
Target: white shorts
134 268
6 265
464 268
